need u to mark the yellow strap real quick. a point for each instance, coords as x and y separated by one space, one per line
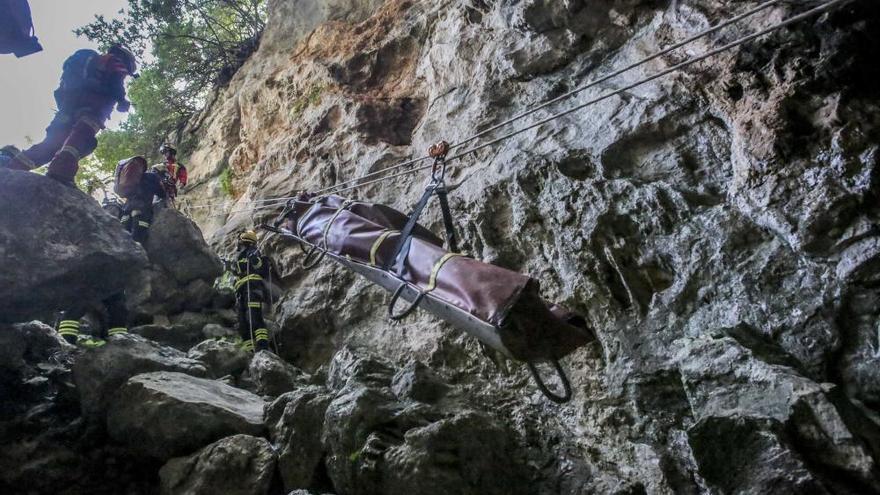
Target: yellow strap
378 243
432 282
246 279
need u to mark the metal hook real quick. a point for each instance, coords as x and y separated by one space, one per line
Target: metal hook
566 385
308 263
408 310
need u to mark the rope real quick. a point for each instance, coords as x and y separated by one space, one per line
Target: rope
635 65
691 61
355 184
580 89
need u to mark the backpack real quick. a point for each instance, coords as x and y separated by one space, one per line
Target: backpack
128 176
75 73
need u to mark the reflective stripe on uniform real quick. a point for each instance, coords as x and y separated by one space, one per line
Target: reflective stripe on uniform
125 218
376 245
117 331
247 345
246 279
71 151
261 334
91 123
68 328
432 282
255 305
143 224
24 159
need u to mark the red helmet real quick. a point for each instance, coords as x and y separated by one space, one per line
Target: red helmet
125 57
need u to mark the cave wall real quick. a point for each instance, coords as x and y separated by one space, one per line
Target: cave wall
718 227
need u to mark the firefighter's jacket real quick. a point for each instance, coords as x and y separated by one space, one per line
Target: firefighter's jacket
251 269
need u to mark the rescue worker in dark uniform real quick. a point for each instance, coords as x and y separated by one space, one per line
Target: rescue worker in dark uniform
116 321
251 269
137 212
91 86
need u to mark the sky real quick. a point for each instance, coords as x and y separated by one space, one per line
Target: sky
26 84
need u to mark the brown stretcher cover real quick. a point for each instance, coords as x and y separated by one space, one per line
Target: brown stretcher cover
500 307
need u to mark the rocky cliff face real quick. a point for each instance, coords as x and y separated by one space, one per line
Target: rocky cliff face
718 227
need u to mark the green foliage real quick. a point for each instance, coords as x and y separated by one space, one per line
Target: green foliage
114 146
194 46
226 182
94 177
225 281
310 98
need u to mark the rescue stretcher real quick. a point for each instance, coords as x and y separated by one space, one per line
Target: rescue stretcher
500 307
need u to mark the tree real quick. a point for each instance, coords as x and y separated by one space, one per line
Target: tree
194 46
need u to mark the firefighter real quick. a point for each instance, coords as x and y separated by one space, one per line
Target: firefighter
91 86
251 268
116 323
168 183
176 171
137 212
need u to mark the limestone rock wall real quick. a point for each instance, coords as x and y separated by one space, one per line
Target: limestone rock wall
718 227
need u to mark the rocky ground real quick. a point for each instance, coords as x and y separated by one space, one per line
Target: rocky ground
718 228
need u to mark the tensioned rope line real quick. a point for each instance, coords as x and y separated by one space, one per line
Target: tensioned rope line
691 61
616 73
547 103
579 89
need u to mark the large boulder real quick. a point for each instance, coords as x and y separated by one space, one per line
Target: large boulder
167 414
176 245
58 247
469 453
419 382
236 465
348 365
772 422
222 357
296 424
27 343
271 375
99 372
377 442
